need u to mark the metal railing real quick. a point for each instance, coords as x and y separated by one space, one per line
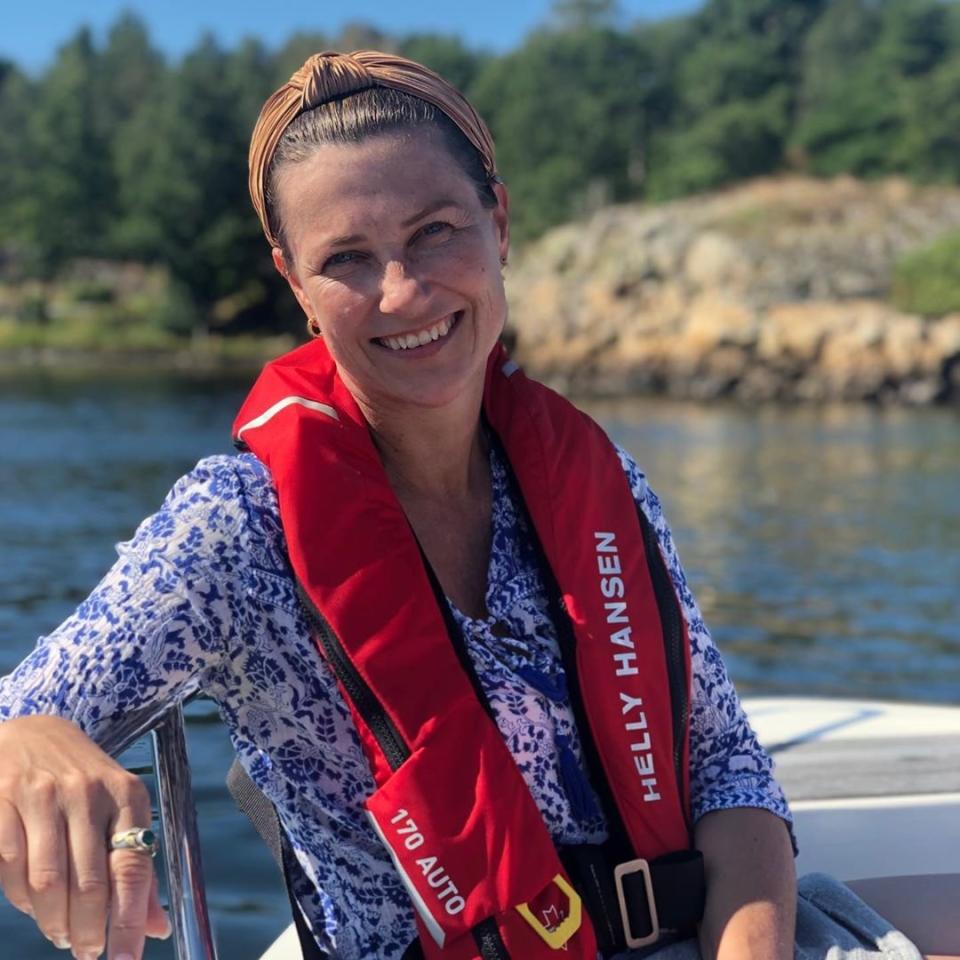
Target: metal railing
192 937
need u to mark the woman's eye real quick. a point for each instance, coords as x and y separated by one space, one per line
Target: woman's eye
438 228
342 259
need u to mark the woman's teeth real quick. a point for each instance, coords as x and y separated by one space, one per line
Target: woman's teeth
409 340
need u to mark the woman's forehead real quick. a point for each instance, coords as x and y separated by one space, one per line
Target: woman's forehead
382 159
382 176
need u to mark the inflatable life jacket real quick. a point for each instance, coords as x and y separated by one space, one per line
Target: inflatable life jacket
451 806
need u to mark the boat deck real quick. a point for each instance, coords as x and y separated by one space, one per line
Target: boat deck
874 787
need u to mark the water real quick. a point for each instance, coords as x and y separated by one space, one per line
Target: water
821 544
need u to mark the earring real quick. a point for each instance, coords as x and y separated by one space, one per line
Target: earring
503 261
314 327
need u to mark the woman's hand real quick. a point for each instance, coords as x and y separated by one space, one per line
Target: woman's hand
61 799
751 905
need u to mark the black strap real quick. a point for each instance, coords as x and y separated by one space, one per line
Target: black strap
308 945
257 809
263 815
679 891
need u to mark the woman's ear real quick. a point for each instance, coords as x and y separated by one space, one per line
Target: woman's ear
501 217
279 262
286 271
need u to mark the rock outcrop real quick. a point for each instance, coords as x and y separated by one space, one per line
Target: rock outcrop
777 289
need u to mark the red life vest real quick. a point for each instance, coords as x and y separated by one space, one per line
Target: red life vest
451 805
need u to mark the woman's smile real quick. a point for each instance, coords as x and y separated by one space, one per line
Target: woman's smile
419 341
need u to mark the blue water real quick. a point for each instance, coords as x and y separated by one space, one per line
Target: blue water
822 544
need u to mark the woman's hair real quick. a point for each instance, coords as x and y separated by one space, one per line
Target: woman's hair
347 97
368 113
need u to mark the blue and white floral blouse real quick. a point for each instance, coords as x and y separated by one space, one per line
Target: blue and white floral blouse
202 598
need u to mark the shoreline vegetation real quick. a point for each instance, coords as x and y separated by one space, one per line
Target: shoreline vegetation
126 231
785 289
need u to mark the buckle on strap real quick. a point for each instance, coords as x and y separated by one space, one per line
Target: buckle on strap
556 937
626 869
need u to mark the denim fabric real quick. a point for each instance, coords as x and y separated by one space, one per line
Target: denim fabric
833 923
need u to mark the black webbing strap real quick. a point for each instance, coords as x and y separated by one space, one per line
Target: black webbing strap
679 892
263 815
257 809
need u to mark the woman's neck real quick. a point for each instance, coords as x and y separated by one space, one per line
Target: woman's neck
436 452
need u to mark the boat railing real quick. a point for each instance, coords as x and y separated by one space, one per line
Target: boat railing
192 936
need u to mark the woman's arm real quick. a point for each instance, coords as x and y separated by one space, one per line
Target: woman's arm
751 886
152 632
155 629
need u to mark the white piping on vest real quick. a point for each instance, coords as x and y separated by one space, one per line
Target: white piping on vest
509 368
269 414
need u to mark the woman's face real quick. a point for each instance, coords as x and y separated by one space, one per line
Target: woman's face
398 262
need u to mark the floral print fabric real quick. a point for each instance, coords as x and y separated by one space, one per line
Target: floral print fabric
202 600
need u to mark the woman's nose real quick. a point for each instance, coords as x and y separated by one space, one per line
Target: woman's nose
399 289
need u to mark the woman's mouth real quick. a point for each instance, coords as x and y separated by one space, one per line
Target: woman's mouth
414 341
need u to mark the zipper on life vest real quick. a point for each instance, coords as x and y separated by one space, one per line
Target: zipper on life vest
364 700
486 934
668 606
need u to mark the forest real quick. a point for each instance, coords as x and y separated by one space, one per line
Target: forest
116 154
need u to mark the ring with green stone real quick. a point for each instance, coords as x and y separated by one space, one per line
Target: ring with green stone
139 839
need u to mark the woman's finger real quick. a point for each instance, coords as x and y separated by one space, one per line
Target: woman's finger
89 887
13 858
47 871
158 923
131 878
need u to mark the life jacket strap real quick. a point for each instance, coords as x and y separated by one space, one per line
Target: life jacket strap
636 903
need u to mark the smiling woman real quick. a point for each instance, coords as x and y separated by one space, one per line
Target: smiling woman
441 612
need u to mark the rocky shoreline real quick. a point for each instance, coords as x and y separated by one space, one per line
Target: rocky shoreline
774 290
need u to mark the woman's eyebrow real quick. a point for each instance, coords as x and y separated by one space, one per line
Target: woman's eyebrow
346 241
430 208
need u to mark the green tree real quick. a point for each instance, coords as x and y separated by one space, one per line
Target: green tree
734 94
183 177
578 15
914 36
67 192
929 147
130 68
866 70
570 111
16 95
448 56
131 71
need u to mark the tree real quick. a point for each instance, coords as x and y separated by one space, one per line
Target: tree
68 191
570 112
183 183
16 95
914 36
578 15
863 83
734 94
448 56
929 148
130 68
